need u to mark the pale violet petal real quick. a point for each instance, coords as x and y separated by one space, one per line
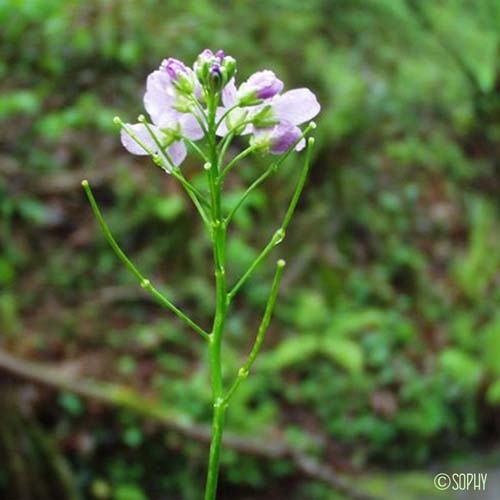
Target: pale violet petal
190 127
142 134
229 94
177 152
159 96
296 106
283 137
222 128
169 119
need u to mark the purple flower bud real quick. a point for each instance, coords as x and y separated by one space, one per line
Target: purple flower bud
220 55
174 68
261 85
206 55
215 70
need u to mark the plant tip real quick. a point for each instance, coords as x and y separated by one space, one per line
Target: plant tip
281 263
313 125
85 183
117 120
141 118
207 165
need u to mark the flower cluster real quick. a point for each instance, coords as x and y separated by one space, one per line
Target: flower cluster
178 99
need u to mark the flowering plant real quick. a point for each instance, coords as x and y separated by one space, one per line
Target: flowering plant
202 107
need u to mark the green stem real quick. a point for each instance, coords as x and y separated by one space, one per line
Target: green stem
279 235
247 152
218 234
255 184
145 283
215 448
261 332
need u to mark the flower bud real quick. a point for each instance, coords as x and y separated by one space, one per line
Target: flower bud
182 77
203 64
214 70
261 85
216 77
229 68
174 68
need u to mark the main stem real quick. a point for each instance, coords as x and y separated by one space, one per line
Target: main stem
218 234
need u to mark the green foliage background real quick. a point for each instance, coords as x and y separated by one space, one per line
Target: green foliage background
386 341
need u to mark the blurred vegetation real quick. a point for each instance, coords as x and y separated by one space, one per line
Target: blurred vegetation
386 343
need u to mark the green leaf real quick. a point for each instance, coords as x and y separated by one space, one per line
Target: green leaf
354 321
292 351
345 353
460 367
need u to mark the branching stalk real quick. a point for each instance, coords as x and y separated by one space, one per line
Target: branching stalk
261 332
144 282
279 235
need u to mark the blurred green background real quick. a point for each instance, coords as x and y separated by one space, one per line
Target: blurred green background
384 354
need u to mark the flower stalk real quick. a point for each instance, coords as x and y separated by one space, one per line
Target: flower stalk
217 112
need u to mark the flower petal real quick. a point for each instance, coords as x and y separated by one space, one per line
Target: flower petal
296 106
283 137
229 94
190 127
139 130
159 96
177 152
222 129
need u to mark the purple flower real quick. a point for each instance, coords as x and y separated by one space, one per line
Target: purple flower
283 114
277 115
261 85
169 125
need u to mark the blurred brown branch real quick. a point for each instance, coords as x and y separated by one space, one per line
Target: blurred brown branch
116 395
